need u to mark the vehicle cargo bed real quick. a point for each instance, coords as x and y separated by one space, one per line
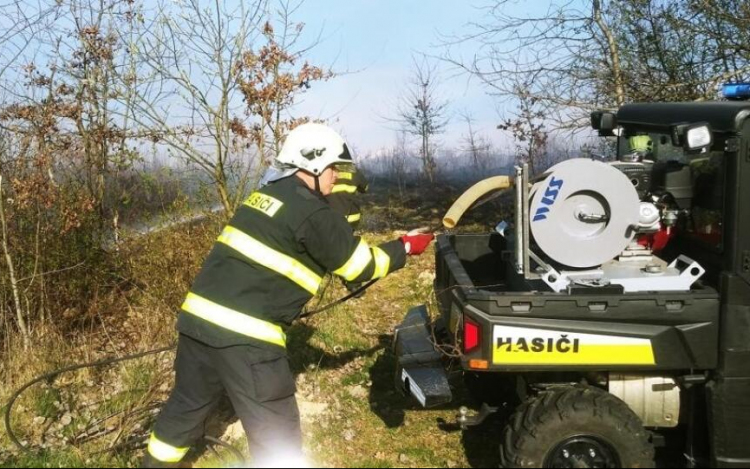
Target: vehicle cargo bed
474 279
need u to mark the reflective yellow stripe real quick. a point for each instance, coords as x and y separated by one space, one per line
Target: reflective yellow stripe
345 176
354 218
234 320
532 346
382 263
341 188
164 452
271 259
357 263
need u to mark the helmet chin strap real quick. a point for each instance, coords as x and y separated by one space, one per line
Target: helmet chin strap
317 184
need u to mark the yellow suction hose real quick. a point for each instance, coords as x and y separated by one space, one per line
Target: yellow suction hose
469 198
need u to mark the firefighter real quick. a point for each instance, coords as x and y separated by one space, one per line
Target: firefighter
267 263
349 184
344 199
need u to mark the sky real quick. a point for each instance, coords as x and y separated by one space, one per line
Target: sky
375 41
372 44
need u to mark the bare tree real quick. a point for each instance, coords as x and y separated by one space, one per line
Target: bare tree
477 147
204 61
397 163
191 93
61 139
528 128
71 77
683 50
581 56
422 113
271 80
13 278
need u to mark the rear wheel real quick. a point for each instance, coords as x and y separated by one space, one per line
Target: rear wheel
575 426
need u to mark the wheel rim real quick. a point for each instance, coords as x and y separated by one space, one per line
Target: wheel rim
583 451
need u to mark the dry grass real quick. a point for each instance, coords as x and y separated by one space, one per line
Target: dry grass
352 415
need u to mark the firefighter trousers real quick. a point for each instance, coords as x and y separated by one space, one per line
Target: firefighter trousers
260 386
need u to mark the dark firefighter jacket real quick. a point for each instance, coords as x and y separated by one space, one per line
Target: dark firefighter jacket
269 262
345 195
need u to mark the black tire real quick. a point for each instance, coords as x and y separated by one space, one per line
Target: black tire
563 426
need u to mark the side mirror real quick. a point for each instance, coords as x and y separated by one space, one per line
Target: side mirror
604 122
693 137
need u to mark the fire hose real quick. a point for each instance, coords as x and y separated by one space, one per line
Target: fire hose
52 375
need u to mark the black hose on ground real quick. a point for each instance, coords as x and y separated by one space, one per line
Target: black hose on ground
53 374
235 452
111 361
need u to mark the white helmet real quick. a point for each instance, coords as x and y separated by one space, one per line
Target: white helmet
313 148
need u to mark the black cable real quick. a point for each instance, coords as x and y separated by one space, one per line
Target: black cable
348 297
111 361
235 452
53 374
